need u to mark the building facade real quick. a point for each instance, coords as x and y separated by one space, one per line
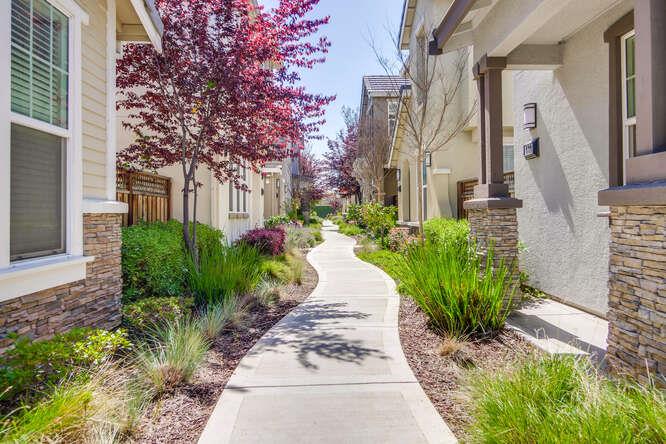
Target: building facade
59 218
589 96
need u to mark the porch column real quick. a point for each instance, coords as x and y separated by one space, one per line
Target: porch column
637 274
492 212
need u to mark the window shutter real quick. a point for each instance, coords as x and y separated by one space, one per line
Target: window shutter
39 47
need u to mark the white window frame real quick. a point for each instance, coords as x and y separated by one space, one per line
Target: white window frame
238 196
18 278
626 121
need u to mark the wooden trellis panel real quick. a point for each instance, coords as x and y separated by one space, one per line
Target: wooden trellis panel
466 191
147 195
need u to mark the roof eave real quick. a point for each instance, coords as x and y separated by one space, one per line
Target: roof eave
453 18
151 21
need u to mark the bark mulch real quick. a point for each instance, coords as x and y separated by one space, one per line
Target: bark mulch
443 376
182 416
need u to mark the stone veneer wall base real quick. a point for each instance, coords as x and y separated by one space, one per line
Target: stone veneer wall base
497 227
637 292
92 302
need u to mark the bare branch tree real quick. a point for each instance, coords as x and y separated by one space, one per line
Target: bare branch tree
373 143
431 113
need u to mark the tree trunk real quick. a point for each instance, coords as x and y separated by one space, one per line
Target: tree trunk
419 195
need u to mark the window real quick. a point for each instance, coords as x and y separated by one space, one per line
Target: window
628 49
392 116
237 196
508 162
38 134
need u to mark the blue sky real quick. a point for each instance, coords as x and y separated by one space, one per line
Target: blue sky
350 57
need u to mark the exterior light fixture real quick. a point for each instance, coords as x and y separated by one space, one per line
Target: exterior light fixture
397 174
529 116
428 159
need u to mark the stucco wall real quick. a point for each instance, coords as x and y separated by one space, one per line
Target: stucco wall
567 243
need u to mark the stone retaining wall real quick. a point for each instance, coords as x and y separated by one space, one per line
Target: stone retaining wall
637 291
94 301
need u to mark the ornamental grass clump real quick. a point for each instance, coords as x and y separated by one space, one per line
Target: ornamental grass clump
562 399
172 355
225 273
460 293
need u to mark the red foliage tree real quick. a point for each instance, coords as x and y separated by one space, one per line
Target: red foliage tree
222 92
339 159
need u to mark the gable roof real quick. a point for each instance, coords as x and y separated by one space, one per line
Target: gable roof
388 85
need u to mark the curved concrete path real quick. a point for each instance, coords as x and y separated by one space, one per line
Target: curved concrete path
333 370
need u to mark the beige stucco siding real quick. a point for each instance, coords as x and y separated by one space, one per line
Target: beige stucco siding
94 79
566 242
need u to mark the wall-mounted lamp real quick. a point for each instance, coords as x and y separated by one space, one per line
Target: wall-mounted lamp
428 159
397 174
529 116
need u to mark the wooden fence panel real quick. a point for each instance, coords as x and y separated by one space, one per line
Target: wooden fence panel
466 191
147 195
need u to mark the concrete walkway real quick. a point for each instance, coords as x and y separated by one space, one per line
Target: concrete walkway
333 370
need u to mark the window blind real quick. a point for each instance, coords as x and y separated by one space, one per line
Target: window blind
37 202
39 61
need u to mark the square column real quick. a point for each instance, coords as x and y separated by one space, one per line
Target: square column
637 270
492 212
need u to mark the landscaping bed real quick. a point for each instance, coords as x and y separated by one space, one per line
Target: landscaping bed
441 368
181 418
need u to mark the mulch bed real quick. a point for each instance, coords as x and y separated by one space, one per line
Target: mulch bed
443 377
182 416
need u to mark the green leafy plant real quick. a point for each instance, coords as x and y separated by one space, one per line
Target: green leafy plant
562 399
144 315
379 219
267 293
276 221
154 258
224 273
30 366
460 293
445 231
172 355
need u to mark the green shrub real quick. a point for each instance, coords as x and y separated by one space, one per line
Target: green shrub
379 219
153 261
448 284
300 238
146 314
561 399
267 293
296 265
443 230
29 366
154 258
350 229
276 221
317 236
353 214
227 272
172 355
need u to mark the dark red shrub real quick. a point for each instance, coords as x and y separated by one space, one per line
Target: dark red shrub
267 240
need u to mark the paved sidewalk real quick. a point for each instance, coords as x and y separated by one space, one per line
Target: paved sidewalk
332 371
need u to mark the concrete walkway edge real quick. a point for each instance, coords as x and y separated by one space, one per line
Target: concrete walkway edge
331 371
